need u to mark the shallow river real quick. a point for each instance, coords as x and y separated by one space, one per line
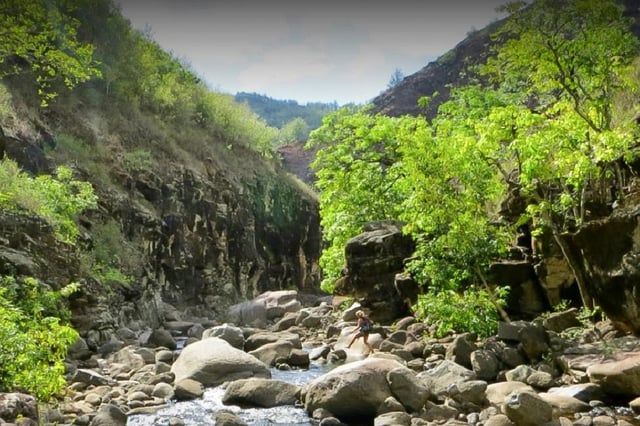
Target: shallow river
202 411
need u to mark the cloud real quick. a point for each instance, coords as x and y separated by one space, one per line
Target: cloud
330 50
285 64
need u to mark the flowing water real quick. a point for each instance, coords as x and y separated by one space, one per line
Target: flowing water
201 412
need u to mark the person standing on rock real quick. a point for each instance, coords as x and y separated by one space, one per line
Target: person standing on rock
363 328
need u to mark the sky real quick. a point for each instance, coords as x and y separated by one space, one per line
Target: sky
322 51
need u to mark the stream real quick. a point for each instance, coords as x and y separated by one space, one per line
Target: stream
202 411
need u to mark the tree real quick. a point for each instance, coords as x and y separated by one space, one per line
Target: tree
563 61
396 78
296 130
357 166
39 37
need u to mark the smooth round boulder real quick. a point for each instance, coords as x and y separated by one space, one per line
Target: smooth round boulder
265 393
214 361
351 392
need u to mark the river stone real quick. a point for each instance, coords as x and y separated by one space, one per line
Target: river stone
188 389
214 361
527 409
459 351
264 393
564 405
438 379
390 405
585 392
225 418
353 391
261 338
499 420
109 415
14 405
497 392
485 364
230 333
407 388
618 378
274 352
396 418
161 338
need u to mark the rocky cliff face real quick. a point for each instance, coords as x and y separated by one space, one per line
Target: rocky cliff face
199 239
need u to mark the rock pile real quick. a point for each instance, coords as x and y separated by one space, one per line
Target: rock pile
544 372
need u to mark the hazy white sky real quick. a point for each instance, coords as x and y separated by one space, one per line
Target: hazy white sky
344 51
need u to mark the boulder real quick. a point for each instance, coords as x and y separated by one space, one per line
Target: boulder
497 392
438 379
585 392
227 332
213 361
265 393
459 351
18 405
267 306
407 388
617 378
527 409
353 391
562 405
261 338
161 338
109 415
485 364
373 259
272 353
560 321
394 418
188 389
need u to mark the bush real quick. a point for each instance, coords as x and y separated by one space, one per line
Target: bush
58 199
34 337
473 310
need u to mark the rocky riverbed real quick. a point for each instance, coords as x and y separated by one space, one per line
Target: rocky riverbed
550 371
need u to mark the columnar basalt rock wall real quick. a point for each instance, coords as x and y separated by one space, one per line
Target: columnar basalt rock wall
202 241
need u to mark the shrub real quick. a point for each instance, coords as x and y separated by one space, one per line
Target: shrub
58 199
472 310
34 337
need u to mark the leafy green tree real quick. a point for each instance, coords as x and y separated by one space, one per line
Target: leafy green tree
296 130
563 62
357 165
40 37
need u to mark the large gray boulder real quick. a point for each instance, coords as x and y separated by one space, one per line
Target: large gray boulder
266 307
527 409
407 388
438 379
264 393
351 392
213 361
617 378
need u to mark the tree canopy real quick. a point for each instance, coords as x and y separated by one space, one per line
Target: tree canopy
542 126
40 37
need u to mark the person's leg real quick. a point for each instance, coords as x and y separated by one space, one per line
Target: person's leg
354 339
365 339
